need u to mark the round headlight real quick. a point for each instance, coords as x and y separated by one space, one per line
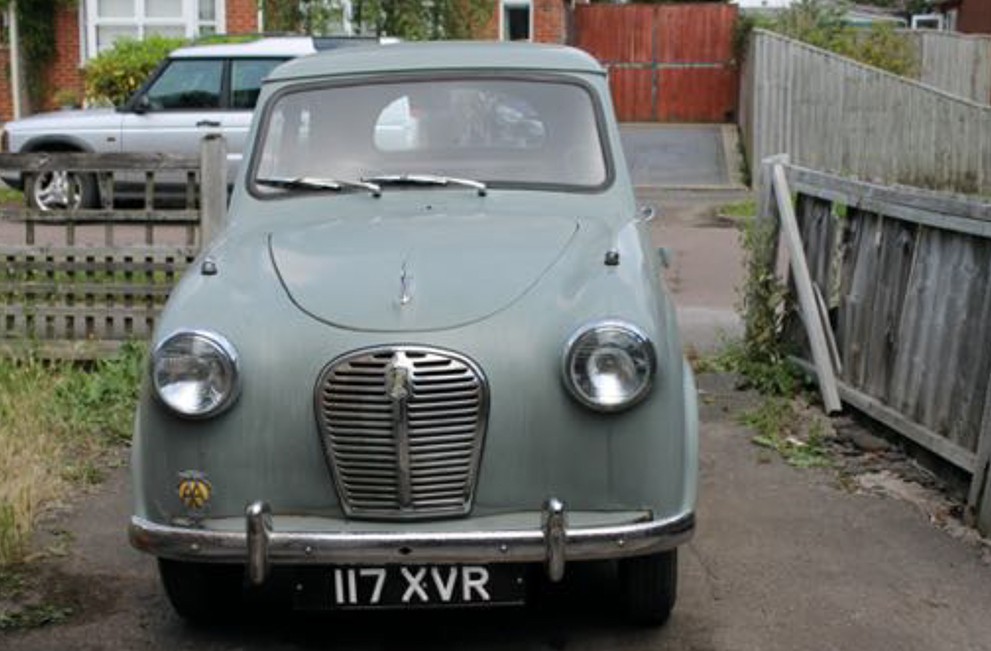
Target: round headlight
609 366
195 373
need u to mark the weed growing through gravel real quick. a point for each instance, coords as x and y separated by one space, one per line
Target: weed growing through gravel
57 421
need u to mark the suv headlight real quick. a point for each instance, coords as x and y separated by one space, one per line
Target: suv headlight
195 373
609 365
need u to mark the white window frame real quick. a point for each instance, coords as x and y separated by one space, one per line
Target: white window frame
190 20
514 4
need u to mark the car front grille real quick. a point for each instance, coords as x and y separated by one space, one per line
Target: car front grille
403 428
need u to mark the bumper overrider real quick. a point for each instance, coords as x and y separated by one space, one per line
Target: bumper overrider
553 543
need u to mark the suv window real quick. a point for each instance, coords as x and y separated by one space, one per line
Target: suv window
187 84
246 80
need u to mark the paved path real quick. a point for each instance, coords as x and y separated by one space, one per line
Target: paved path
679 155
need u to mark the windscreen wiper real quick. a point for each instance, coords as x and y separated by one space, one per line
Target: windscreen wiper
426 179
314 183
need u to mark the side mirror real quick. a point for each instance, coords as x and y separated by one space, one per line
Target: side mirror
142 105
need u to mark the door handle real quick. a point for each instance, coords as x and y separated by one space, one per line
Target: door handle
208 123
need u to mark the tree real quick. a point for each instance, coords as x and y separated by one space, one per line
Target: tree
450 19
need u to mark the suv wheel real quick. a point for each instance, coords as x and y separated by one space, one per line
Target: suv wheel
649 586
61 191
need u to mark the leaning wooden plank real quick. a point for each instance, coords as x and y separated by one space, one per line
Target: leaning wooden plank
923 436
834 351
806 295
88 162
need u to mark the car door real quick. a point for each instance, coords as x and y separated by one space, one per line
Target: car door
182 104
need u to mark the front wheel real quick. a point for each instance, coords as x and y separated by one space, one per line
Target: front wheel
202 592
649 586
61 191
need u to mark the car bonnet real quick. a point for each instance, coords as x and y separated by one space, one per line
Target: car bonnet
416 272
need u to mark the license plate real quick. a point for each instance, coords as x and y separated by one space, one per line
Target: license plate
409 586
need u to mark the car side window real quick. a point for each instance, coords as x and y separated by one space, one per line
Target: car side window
246 80
187 84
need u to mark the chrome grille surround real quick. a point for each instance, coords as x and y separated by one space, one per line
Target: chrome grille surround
402 430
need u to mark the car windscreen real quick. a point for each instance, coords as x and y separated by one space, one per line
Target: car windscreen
508 132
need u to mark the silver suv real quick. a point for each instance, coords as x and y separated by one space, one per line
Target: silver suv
197 90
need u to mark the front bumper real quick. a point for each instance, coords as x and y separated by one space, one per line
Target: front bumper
553 543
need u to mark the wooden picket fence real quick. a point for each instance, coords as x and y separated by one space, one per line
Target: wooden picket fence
76 284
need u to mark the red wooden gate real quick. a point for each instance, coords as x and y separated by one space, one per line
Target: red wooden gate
668 63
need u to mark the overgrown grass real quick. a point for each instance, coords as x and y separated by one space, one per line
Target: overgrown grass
739 209
57 421
10 195
780 426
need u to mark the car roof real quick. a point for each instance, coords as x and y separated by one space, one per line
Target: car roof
288 46
291 46
440 55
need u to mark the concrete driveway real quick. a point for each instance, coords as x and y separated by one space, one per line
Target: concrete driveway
783 559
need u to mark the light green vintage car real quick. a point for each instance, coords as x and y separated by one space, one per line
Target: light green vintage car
430 361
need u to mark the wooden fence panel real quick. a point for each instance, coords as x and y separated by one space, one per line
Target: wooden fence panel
959 64
831 113
912 309
86 294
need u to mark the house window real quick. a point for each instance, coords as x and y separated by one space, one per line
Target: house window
110 20
516 20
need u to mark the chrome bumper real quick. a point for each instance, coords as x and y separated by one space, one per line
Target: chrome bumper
553 543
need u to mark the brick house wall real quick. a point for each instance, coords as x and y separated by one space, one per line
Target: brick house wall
6 96
65 72
548 19
242 16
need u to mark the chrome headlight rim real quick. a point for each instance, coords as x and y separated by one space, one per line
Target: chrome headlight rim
599 325
231 359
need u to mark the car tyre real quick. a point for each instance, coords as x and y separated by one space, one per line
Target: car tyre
61 190
648 587
202 593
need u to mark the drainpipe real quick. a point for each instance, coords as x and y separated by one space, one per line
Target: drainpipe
15 60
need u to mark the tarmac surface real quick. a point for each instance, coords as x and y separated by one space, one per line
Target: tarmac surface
783 558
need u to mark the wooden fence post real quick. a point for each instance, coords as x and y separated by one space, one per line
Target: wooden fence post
980 485
213 187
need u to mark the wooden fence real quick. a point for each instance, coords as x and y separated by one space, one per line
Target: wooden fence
959 64
906 305
831 113
78 283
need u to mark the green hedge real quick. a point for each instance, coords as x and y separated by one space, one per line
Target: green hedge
114 75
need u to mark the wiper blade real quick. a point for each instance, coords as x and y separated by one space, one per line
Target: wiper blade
426 179
313 183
